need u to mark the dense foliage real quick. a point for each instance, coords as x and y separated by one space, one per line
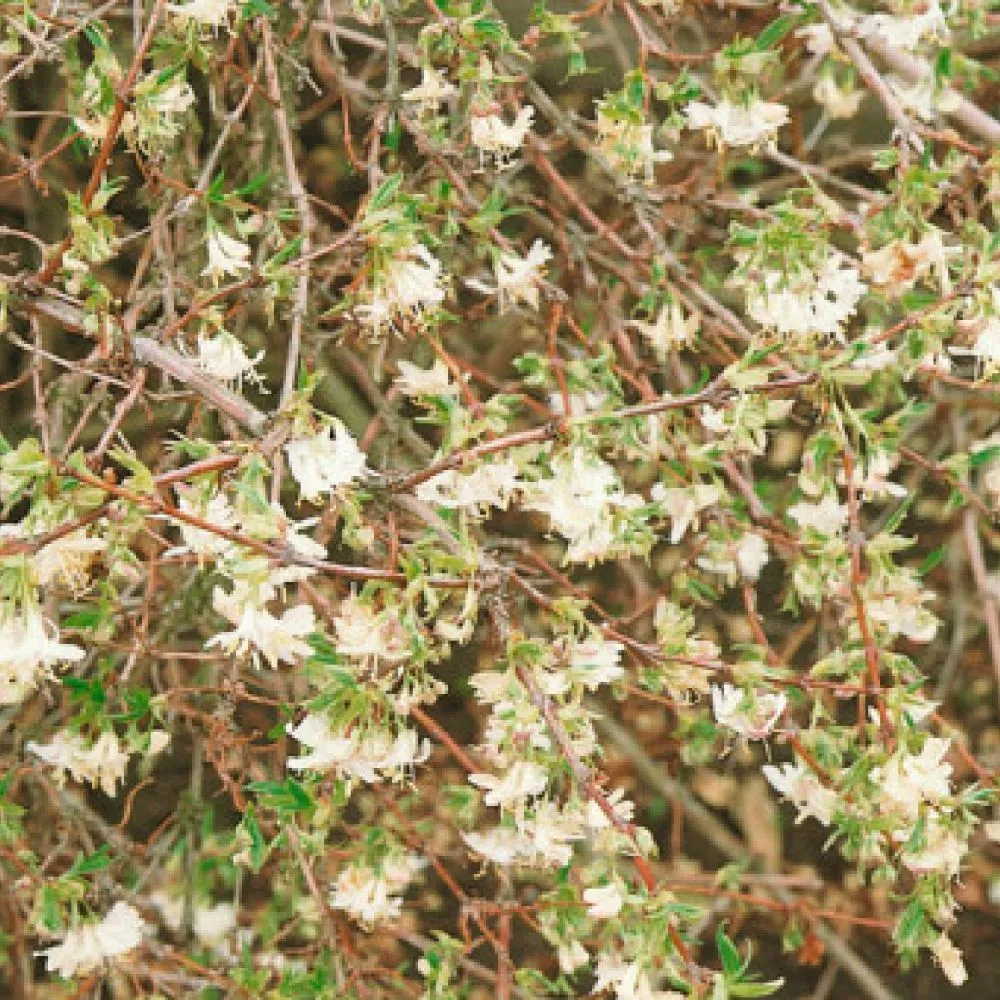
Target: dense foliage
471 473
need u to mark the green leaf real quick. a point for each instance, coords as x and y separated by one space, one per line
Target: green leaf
88 864
282 796
932 559
386 194
732 962
775 31
756 989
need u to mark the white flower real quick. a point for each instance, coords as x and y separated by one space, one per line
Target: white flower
950 959
743 560
212 925
875 482
942 852
488 485
29 649
212 13
986 349
594 662
906 780
837 103
502 845
213 508
369 636
807 301
738 124
226 255
225 358
517 277
409 285
66 560
670 330
86 948
431 91
819 37
323 462
906 31
433 381
371 897
827 517
904 614
752 715
571 955
603 902
898 265
257 630
372 757
523 780
491 134
101 764
684 503
804 790
628 147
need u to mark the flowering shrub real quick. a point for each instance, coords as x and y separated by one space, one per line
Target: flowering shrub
472 474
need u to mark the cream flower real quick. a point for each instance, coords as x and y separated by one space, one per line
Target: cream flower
101 764
804 790
518 278
683 504
212 13
837 103
827 517
492 135
752 715
226 255
603 902
29 649
670 331
409 285
950 959
809 301
85 948
431 91
325 461
502 845
523 780
259 632
225 358
732 124
628 147
215 509
489 485
433 381
371 897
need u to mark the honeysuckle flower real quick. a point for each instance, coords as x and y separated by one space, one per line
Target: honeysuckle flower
594 662
370 757
502 845
942 851
211 13
372 896
604 902
906 780
986 349
225 358
670 331
431 91
837 103
949 958
433 381
67 560
491 135
581 500
808 301
628 980
87 947
29 649
213 508
571 955
683 504
874 483
804 790
325 461
523 780
752 715
226 255
898 265
552 832
212 924
276 639
744 124
101 764
906 31
517 278
818 37
408 286
369 636
743 559
489 485
628 147
827 517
